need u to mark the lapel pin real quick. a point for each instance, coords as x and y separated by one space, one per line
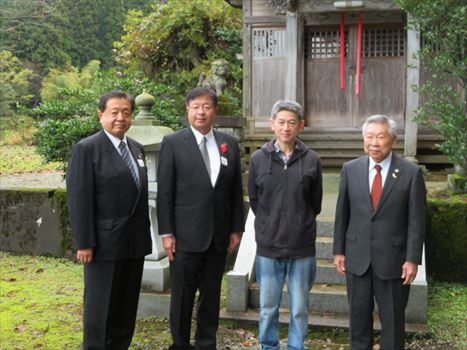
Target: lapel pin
395 173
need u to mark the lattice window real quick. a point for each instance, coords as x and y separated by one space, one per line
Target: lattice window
383 42
268 42
324 44
433 47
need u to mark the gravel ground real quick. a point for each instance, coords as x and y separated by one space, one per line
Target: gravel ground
33 180
56 180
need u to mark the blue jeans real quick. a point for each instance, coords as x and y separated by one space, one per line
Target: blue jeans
271 274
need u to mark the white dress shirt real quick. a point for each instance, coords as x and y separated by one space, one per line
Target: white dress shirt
213 150
116 142
385 164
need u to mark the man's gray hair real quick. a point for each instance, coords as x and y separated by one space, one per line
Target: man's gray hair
382 119
287 105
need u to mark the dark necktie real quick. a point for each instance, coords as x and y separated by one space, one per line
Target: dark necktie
377 187
204 152
126 157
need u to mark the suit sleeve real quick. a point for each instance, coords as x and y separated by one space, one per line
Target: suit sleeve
252 190
238 215
165 189
80 195
342 214
416 218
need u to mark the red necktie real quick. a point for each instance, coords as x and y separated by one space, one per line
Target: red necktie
377 187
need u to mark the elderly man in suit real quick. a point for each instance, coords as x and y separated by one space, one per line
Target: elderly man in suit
108 203
200 217
378 235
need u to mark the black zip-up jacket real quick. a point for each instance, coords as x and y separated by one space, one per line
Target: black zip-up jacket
286 198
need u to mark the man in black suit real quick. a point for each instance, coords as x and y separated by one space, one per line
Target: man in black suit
378 235
108 204
200 217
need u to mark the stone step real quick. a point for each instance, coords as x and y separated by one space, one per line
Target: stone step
332 298
326 273
158 304
323 298
325 228
324 247
315 320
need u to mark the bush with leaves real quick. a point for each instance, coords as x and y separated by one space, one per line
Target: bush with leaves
176 35
179 40
55 137
71 113
443 25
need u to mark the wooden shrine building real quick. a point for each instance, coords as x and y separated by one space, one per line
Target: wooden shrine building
308 51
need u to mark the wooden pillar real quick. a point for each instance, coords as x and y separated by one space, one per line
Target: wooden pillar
412 98
294 89
247 69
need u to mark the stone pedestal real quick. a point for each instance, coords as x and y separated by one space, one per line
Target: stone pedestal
146 130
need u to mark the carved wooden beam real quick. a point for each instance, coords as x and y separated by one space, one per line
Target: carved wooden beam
282 6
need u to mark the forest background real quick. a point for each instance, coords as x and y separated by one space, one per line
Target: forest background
57 57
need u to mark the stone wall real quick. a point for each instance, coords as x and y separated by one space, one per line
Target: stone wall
35 222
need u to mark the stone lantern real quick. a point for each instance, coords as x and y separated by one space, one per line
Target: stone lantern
146 129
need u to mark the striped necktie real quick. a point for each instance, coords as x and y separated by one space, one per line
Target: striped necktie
126 157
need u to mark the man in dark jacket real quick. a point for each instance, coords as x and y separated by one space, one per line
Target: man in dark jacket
108 202
285 189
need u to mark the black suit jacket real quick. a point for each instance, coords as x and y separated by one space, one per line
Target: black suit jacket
391 234
188 206
107 211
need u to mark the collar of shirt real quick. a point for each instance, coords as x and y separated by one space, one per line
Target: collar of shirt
199 136
385 164
115 140
280 153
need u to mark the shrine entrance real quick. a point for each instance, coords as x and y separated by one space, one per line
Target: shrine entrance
383 69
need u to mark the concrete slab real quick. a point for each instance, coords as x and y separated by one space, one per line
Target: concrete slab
315 320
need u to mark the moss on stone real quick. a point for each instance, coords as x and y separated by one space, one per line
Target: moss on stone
65 227
446 241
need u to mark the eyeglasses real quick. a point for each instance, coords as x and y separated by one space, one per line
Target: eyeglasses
205 108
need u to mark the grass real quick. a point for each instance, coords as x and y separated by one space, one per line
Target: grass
41 303
17 153
41 308
16 159
447 313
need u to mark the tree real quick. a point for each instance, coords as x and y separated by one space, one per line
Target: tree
177 35
443 26
56 33
34 31
15 83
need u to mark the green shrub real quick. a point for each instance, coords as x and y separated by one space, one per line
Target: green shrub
72 114
446 240
55 137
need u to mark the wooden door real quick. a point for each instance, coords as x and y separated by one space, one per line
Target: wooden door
382 76
269 64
